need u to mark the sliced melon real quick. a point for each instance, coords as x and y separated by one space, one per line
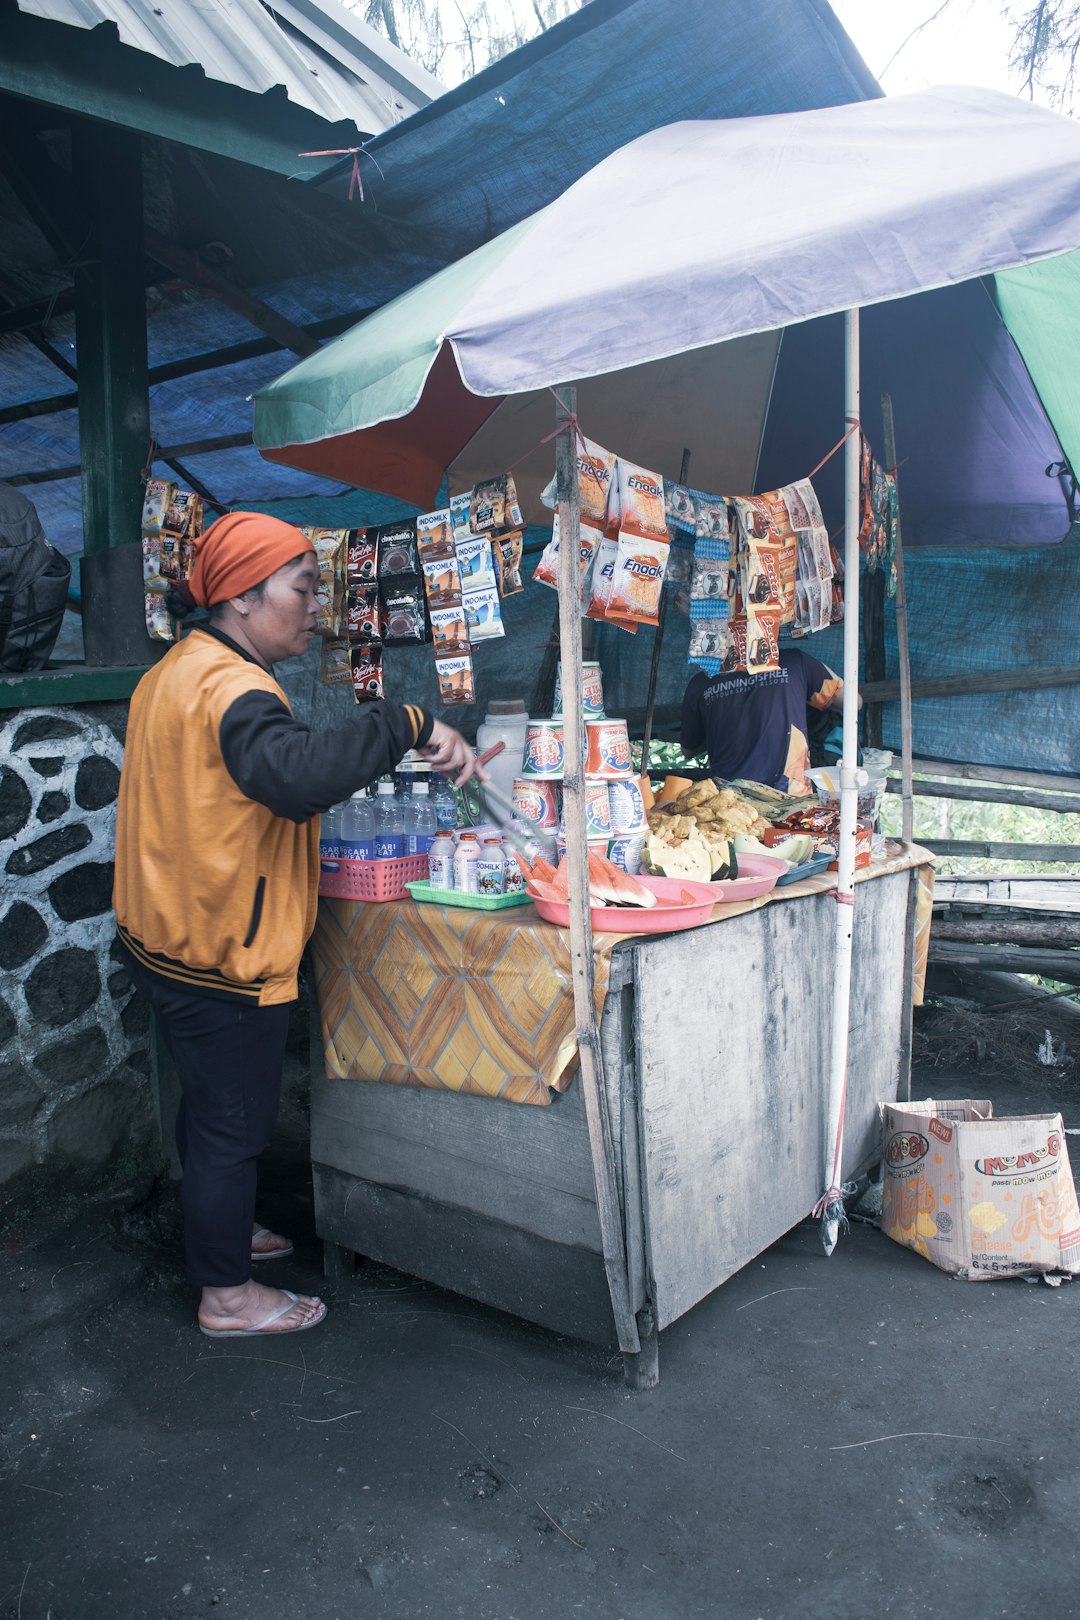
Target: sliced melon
691 859
725 867
796 849
747 844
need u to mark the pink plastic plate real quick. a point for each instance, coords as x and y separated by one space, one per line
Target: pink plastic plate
757 875
659 919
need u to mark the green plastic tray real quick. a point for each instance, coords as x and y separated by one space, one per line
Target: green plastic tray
473 902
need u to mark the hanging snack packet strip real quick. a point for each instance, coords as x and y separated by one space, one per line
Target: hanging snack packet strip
330 592
157 499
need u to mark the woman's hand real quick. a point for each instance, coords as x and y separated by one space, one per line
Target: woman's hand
447 751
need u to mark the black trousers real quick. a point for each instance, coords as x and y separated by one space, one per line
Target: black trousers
229 1057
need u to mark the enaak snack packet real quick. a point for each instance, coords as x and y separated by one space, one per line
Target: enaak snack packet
597 493
638 578
641 503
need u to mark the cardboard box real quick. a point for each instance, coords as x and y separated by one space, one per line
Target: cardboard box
980 1197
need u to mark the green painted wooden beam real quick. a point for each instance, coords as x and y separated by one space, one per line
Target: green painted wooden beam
91 73
110 336
78 684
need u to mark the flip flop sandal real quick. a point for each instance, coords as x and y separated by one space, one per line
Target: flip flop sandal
268 1254
266 1325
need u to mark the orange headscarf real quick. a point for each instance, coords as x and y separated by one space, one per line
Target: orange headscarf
238 551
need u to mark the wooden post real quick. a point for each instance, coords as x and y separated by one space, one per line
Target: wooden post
581 940
114 407
907 812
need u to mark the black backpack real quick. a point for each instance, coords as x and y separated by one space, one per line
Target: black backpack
34 579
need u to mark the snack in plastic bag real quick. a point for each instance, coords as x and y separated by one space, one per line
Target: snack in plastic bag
762 639
362 557
455 677
335 663
367 673
450 631
156 500
434 535
364 622
483 615
330 552
508 562
404 620
641 502
398 549
638 578
476 564
442 582
159 626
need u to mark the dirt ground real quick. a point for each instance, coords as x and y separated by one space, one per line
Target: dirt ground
835 1438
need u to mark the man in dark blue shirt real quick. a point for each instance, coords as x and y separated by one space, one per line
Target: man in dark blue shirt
753 726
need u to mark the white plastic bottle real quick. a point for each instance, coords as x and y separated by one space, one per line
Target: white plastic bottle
420 823
389 832
466 861
357 839
491 867
330 833
441 861
444 800
506 721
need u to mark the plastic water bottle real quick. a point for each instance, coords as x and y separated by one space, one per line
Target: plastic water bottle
357 828
421 824
330 833
444 800
389 831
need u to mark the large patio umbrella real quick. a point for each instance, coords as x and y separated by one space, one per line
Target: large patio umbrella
658 284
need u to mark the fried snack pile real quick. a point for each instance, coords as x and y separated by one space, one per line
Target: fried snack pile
708 814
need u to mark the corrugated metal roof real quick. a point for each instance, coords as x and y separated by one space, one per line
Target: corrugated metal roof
326 59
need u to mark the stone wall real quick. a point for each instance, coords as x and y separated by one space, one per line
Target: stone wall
75 1093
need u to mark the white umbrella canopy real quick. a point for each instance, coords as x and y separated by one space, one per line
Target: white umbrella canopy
688 237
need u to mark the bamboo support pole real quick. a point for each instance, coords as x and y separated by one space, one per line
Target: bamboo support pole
581 939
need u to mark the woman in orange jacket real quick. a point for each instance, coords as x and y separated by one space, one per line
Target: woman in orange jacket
216 882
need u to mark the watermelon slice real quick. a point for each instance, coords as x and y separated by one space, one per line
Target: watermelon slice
613 887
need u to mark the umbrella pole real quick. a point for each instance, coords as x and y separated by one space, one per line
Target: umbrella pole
831 1205
581 939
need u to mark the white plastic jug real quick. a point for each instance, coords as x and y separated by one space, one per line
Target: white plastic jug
506 722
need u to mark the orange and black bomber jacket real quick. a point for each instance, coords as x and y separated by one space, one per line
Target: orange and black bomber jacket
217 833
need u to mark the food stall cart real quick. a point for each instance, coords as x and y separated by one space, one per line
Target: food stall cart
713 1040
674 318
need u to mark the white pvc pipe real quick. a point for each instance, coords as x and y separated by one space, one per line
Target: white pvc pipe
831 1206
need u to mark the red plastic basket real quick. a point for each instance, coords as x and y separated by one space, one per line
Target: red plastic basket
371 880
